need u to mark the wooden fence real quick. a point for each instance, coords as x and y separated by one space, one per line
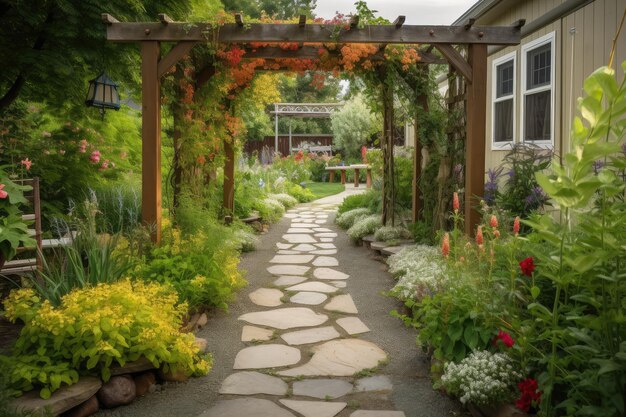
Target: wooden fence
257 146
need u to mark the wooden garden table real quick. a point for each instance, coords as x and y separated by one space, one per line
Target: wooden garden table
357 169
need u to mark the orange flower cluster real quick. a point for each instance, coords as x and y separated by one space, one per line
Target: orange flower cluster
352 55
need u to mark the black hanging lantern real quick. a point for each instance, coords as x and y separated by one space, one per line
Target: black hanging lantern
103 94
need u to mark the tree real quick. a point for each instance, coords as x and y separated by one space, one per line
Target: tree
279 9
353 126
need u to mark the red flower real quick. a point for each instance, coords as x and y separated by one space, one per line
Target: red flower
506 339
3 194
529 394
493 222
527 266
479 236
27 163
516 226
456 205
445 245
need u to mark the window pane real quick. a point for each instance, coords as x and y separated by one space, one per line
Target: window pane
503 126
504 82
537 123
538 67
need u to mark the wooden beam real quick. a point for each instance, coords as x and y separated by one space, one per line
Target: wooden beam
302 20
518 24
165 19
269 52
173 56
456 60
107 19
476 132
399 21
229 178
239 20
470 23
430 58
354 21
259 32
151 139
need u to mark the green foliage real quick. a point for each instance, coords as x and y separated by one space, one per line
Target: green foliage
285 199
392 234
13 230
323 189
353 126
364 226
119 207
346 219
368 199
94 329
303 195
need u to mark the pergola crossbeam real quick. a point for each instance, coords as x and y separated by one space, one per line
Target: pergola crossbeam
173 56
399 22
165 19
456 60
313 33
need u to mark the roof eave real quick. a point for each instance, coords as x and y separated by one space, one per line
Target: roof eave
476 11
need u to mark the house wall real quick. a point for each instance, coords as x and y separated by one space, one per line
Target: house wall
576 56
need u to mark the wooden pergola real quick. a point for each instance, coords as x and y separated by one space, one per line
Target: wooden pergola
184 36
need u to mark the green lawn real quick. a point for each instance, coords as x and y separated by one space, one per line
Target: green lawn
324 189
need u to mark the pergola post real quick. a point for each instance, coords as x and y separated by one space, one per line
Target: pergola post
275 128
229 177
417 204
388 191
475 139
151 138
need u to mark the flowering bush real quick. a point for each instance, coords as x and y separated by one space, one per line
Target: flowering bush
419 269
303 195
270 209
94 329
285 199
348 218
364 226
482 378
392 233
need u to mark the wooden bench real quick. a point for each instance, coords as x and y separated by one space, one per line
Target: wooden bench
357 170
32 214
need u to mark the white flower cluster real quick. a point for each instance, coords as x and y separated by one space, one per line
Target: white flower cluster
285 199
274 206
346 220
246 240
364 226
482 378
391 233
420 269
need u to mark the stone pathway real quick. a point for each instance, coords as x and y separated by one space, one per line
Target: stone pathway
300 352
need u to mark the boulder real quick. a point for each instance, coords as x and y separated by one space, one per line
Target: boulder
139 365
173 375
202 321
120 390
87 408
62 400
144 383
202 344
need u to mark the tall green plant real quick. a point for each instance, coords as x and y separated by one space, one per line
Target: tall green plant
582 328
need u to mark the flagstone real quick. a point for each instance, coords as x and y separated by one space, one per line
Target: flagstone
352 325
303 337
373 383
343 357
266 356
301 225
325 261
339 284
322 229
343 304
291 259
326 245
252 333
300 230
287 252
308 298
313 286
291 215
299 238
322 252
315 408
266 297
329 273
287 280
326 234
288 269
285 318
250 383
326 239
304 247
320 221
246 407
377 413
322 388
284 245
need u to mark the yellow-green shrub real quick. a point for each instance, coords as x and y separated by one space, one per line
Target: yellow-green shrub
94 329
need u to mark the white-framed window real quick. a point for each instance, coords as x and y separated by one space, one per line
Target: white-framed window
503 99
537 106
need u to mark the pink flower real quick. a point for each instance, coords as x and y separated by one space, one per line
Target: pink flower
27 163
479 236
493 221
516 226
105 164
445 245
456 205
3 194
61 151
95 157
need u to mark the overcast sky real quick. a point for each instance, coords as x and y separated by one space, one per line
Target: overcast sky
417 12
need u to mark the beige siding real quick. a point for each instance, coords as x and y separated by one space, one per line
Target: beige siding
576 56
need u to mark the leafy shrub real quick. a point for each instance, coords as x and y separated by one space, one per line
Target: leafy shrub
119 207
363 227
246 239
303 195
94 329
392 233
285 199
201 267
347 218
367 199
270 209
482 378
419 270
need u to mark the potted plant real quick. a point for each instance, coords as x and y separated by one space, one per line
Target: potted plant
13 230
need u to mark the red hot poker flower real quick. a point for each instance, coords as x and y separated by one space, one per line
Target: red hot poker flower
516 226
527 266
479 236
456 205
445 245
